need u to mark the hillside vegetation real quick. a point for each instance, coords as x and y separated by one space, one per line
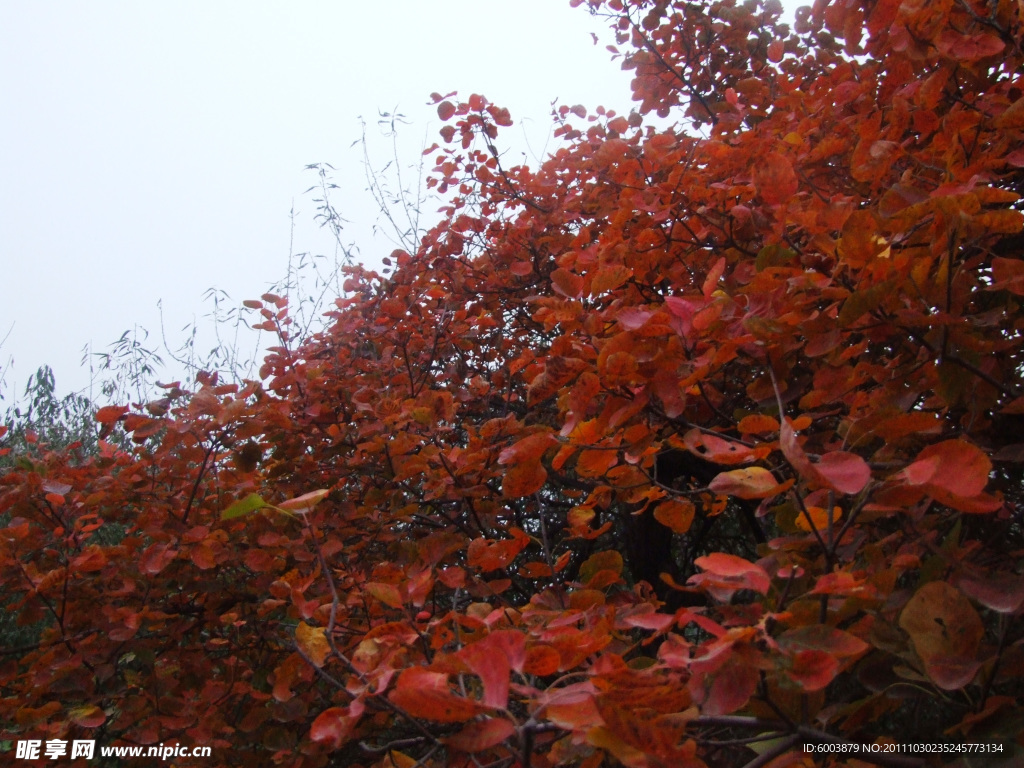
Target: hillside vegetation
691 446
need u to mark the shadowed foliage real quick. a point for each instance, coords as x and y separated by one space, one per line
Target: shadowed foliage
694 444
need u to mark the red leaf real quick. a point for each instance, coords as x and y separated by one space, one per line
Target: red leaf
723 684
725 574
108 414
821 637
542 660
1002 592
87 716
492 660
156 557
1008 275
658 622
955 466
844 583
567 283
969 47
477 737
844 472
445 110
92 558
501 115
839 470
813 670
203 557
428 695
946 632
333 726
774 179
716 449
492 555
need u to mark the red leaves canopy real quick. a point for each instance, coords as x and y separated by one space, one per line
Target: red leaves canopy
683 433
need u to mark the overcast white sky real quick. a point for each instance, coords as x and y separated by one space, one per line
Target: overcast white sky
152 150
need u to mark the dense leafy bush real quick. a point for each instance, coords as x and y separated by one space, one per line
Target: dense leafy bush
691 446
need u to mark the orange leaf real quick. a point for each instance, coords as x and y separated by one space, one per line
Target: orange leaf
535 570
108 414
567 283
758 424
675 515
594 462
713 276
607 561
529 448
774 179
386 593
609 278
818 518
203 557
748 483
523 479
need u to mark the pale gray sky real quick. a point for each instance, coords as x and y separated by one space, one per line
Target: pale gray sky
152 150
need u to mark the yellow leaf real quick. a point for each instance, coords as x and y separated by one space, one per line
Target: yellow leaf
819 517
312 641
305 502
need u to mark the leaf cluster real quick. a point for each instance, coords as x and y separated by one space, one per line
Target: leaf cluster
688 447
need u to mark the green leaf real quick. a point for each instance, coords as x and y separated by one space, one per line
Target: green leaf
250 503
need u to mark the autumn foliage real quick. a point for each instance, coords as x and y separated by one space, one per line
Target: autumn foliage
698 442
